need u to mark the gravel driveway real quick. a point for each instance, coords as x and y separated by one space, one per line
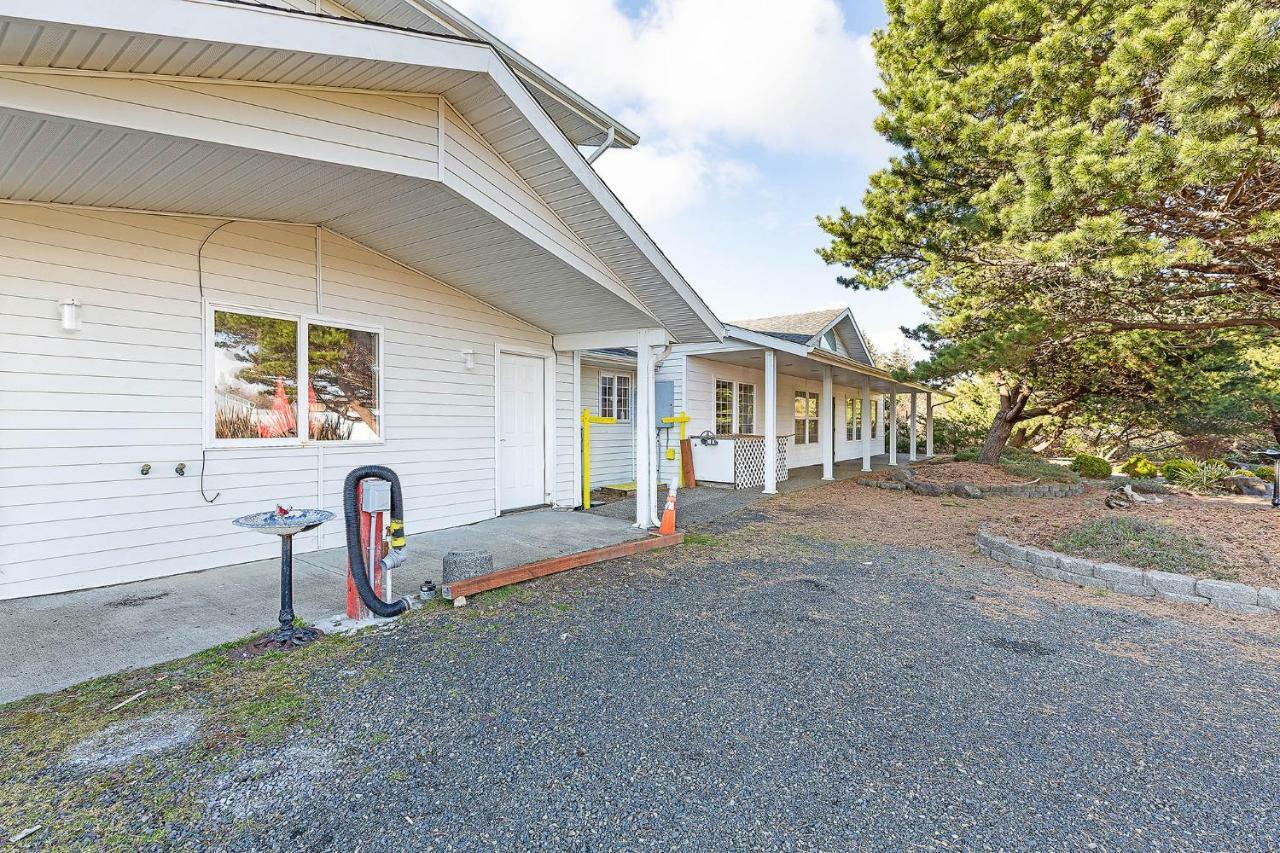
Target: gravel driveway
760 692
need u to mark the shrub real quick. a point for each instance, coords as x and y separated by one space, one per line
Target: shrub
1143 544
1204 478
1266 472
1169 468
969 454
1093 467
1139 466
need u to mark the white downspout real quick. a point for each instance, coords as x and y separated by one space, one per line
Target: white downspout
604 146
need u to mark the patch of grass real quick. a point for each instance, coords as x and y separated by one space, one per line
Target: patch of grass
1144 545
494 597
1033 468
701 539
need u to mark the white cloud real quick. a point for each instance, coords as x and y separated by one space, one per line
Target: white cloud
696 76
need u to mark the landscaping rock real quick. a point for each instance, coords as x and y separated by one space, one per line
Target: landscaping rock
1227 591
1245 484
964 490
929 490
1269 597
902 475
1172 584
1118 574
1140 590
1242 609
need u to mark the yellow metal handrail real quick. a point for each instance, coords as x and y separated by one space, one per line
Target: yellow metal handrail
587 420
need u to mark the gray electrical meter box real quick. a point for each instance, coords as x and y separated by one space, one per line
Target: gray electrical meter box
375 496
664 395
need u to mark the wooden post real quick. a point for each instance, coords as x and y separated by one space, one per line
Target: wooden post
770 422
911 429
893 427
866 424
825 426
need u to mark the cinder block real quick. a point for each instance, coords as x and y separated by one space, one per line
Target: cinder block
1140 590
1269 597
1242 609
1236 593
1078 580
1020 564
1116 573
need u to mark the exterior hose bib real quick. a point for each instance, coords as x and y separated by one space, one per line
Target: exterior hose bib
395 531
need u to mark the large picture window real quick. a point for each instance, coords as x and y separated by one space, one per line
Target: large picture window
806 417
724 407
259 362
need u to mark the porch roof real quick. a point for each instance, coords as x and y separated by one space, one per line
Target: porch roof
69 150
746 348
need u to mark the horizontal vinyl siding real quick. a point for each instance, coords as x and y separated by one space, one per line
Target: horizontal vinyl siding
396 134
613 446
80 413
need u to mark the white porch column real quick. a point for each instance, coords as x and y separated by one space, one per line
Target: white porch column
825 426
866 425
928 425
893 427
645 497
911 428
770 422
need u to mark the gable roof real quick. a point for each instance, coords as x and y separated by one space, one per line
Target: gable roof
581 121
794 327
810 326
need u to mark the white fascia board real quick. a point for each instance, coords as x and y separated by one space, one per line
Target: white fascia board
608 340
447 16
835 321
764 341
275 29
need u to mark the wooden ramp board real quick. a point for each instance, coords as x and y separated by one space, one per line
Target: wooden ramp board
554 565
686 463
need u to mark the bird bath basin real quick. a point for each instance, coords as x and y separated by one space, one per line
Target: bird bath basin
285 523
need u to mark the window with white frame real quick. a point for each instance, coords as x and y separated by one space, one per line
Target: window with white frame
746 408
875 418
622 398
608 389
724 407
615 396
259 361
850 418
806 417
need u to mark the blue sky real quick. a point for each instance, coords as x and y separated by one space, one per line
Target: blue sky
751 123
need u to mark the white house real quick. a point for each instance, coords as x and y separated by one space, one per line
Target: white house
787 392
813 357
245 247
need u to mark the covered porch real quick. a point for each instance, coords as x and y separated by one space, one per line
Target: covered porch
825 411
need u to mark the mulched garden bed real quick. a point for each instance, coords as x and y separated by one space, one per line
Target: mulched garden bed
949 473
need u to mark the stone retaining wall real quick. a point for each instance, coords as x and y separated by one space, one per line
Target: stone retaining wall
1035 489
1144 583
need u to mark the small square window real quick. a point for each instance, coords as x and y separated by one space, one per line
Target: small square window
607 398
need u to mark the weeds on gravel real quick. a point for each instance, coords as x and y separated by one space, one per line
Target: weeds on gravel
700 539
1143 544
239 702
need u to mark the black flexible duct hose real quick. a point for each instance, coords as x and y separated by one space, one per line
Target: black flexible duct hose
355 555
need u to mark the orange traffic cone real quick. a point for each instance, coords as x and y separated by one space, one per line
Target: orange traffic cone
669 514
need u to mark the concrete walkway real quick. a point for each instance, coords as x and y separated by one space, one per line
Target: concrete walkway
53 641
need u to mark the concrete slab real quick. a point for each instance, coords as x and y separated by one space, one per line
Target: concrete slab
54 641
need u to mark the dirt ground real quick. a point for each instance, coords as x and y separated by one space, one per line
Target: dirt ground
1246 530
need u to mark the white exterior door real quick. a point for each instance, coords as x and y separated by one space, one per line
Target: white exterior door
522 456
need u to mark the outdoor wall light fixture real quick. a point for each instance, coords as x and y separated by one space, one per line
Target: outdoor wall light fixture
70 314
469 359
